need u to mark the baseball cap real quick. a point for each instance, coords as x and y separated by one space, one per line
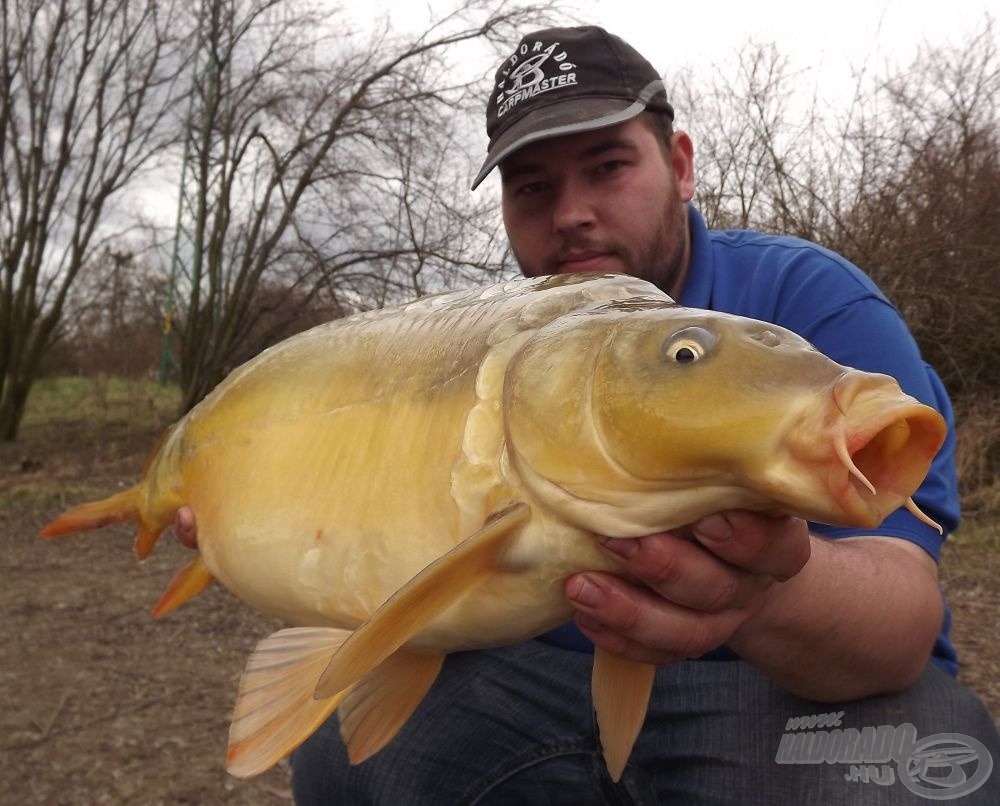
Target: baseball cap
562 81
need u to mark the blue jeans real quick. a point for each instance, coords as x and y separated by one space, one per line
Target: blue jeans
515 726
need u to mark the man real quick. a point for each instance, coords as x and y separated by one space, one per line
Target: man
755 621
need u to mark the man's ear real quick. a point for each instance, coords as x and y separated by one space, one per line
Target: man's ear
682 161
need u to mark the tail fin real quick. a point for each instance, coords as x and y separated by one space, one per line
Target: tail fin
124 506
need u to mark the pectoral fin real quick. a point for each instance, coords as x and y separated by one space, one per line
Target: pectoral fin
421 599
187 583
621 690
381 702
275 709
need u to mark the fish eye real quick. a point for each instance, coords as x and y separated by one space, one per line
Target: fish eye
688 345
685 355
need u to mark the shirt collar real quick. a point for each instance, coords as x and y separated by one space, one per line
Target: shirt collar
697 292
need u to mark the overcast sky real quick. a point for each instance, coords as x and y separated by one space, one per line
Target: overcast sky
689 33
824 42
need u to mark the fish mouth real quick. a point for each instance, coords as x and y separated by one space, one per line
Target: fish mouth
883 446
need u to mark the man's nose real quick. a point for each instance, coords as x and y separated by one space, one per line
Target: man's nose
573 208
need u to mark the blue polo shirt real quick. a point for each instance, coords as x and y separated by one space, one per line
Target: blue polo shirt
828 301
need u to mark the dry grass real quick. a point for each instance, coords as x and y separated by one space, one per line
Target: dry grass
970 569
978 455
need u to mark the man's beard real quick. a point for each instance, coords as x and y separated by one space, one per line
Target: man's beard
661 259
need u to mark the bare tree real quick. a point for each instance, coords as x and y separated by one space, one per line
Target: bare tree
905 183
926 225
761 162
84 104
736 119
313 158
112 322
433 233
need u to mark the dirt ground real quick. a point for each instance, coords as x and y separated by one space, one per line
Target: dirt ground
102 704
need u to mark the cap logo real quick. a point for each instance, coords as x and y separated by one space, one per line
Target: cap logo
525 74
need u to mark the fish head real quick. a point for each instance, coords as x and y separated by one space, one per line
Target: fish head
666 414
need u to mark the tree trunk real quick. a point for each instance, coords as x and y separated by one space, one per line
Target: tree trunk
12 403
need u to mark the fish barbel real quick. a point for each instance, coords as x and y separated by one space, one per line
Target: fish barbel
419 480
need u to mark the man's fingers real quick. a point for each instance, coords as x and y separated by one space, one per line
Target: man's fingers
777 547
185 527
692 591
685 573
618 644
636 622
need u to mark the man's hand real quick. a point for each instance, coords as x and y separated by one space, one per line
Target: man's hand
852 617
694 593
185 527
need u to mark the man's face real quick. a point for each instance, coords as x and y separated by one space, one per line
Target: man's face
610 200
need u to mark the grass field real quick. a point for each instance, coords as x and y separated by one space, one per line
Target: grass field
103 704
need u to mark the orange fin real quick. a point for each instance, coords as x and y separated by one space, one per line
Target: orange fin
152 503
124 506
187 583
275 709
621 690
116 509
420 600
381 702
145 539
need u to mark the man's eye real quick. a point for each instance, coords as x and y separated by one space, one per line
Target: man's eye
610 166
530 189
